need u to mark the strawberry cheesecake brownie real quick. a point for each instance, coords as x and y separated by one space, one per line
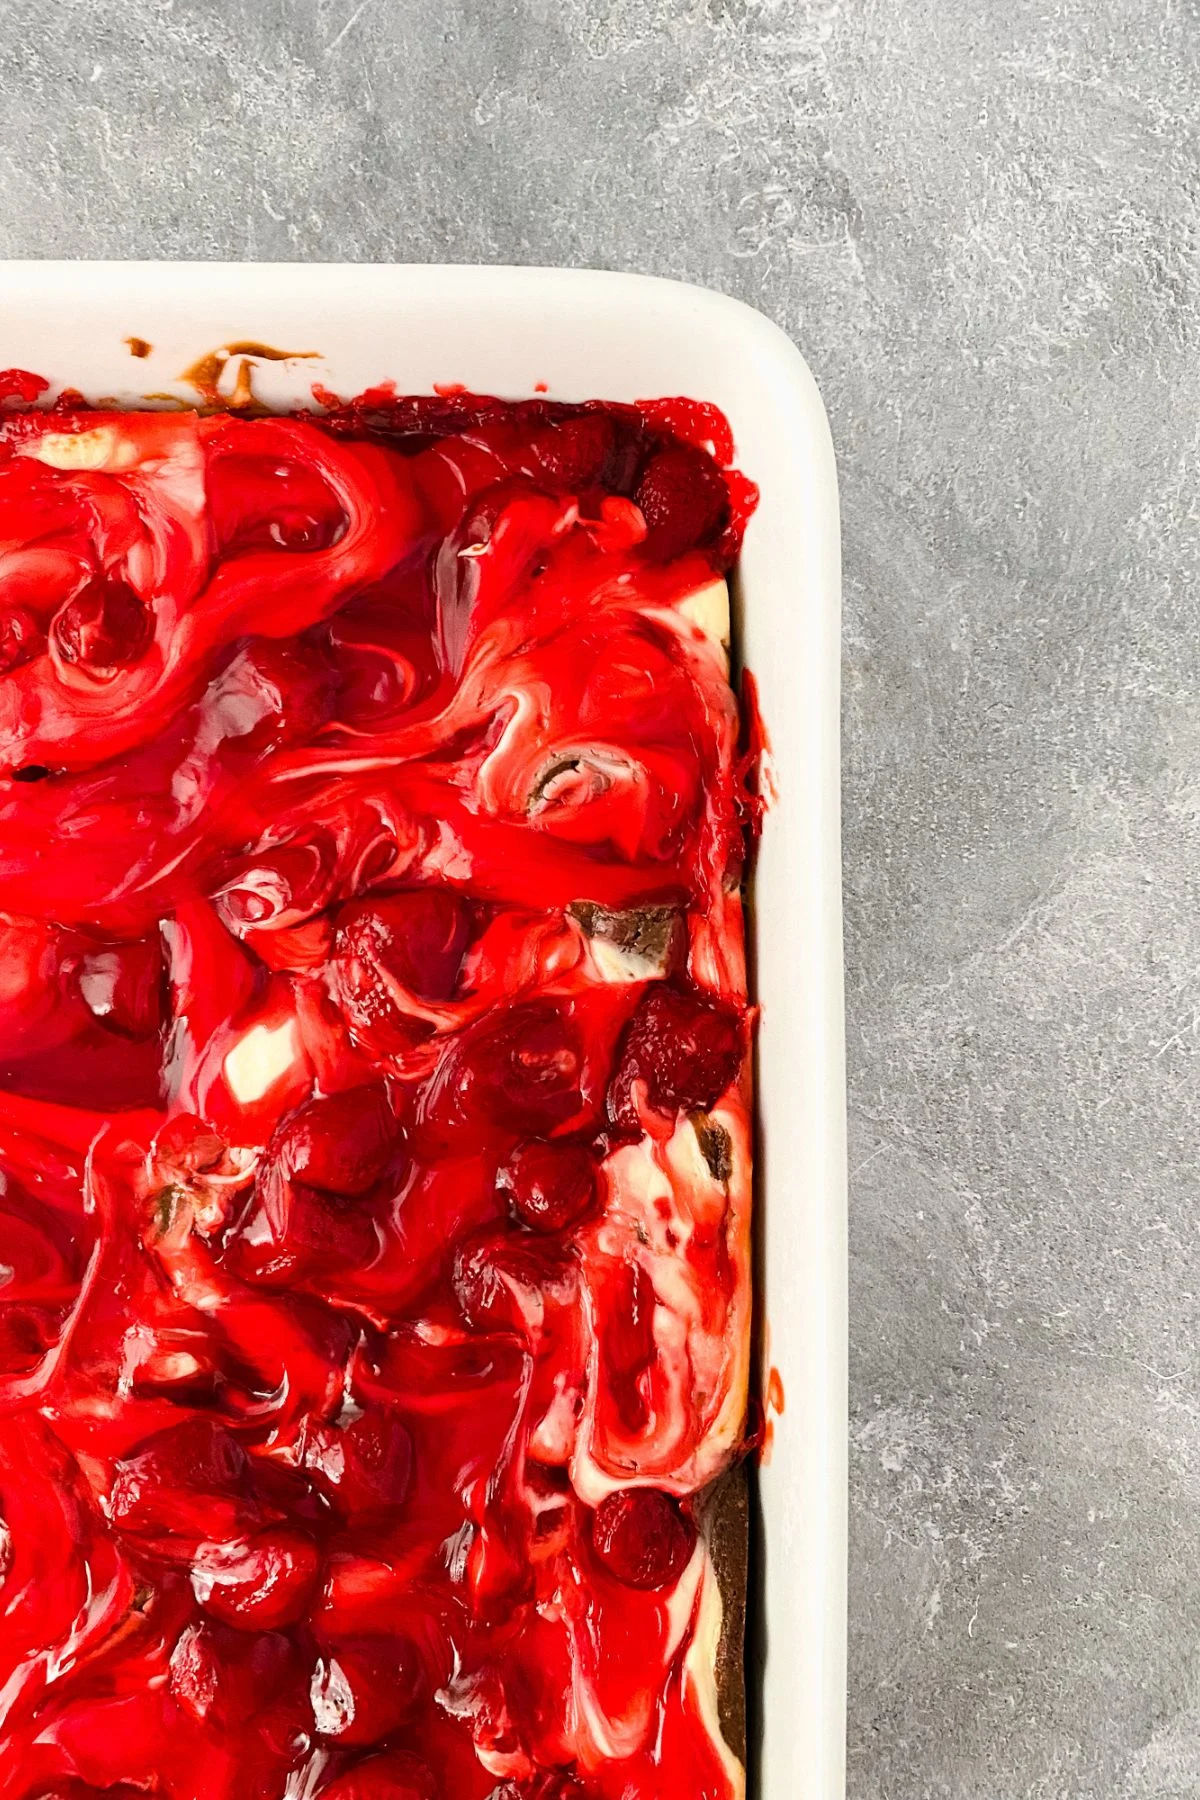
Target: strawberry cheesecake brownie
374 1104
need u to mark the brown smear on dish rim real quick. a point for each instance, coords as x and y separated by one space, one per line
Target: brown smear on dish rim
206 373
138 346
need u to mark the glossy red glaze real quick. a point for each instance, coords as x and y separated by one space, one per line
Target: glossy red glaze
374 1292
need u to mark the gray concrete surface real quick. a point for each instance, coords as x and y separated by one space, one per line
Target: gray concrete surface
979 219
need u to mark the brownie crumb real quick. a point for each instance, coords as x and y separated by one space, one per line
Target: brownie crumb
648 932
715 1145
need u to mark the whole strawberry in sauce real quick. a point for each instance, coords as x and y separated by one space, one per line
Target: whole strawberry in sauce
683 498
549 1186
642 1537
685 1047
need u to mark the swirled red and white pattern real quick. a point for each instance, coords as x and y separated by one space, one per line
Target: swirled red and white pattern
374 1100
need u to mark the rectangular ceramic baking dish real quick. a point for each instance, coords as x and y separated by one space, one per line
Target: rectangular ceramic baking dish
621 337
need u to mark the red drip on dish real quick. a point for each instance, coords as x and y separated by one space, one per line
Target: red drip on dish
335 757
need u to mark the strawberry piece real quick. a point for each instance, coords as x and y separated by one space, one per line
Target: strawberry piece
361 1597
520 1070
291 1231
189 1482
281 690
549 1186
499 1281
124 986
224 1678
363 1691
21 637
364 1467
683 498
26 1332
417 938
267 503
685 1046
284 884
261 1585
574 454
105 628
340 1144
641 1536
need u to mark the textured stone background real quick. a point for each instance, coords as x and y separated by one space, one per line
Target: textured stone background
979 219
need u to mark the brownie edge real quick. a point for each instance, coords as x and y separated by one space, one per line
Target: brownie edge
724 1518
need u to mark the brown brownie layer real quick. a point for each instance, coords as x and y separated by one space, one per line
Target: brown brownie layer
724 1515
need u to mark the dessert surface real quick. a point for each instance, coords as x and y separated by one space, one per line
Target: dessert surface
374 1100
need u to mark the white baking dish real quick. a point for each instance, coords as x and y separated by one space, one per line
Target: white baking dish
621 337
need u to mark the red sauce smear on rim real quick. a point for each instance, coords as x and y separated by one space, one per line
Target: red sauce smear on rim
373 1098
772 1409
22 386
